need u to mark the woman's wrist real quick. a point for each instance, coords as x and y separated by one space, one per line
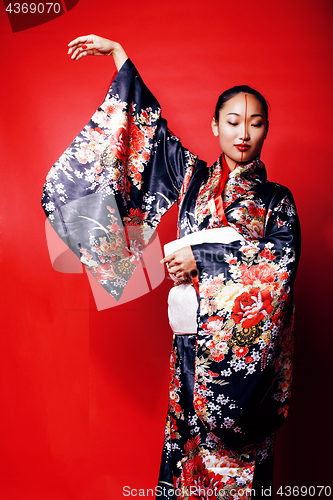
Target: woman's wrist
118 54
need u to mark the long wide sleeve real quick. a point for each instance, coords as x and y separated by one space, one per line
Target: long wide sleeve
107 192
245 345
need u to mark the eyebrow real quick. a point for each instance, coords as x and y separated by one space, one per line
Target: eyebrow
257 114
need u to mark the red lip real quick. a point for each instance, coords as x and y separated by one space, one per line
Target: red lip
242 147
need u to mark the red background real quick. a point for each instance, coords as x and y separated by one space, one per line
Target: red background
84 393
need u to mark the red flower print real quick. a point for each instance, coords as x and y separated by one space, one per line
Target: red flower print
177 408
118 143
191 468
230 481
101 272
206 485
216 352
186 181
213 324
264 272
251 307
283 276
284 410
209 290
114 227
266 254
150 132
217 356
254 210
98 168
173 427
137 138
199 402
137 214
192 443
241 351
249 359
111 109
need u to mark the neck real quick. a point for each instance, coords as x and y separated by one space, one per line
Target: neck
231 163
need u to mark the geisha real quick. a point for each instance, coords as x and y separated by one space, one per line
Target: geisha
233 266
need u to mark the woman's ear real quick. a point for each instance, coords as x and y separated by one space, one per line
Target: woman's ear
215 127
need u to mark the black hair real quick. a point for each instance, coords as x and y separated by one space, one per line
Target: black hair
238 89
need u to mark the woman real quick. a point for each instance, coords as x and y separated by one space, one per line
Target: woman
231 365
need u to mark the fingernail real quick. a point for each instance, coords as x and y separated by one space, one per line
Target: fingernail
84 47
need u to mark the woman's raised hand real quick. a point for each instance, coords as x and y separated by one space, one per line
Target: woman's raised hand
93 45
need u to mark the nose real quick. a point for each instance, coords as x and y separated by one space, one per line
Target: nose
245 132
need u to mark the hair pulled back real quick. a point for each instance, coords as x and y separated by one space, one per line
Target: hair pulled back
238 89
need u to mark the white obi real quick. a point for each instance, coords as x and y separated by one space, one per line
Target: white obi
183 299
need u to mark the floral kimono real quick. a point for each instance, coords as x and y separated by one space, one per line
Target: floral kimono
230 382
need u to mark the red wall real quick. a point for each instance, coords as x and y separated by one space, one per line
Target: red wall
84 392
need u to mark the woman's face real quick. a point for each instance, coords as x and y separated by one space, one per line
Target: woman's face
242 129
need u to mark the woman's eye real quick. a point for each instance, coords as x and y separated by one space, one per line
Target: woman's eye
233 124
257 124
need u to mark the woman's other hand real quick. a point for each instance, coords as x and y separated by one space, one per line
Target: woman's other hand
93 45
181 262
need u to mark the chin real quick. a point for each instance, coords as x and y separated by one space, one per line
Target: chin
248 158
244 160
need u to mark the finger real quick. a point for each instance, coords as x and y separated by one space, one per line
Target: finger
175 269
76 53
83 48
79 40
81 54
168 258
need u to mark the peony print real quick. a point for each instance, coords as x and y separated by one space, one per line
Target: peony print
265 273
251 307
226 298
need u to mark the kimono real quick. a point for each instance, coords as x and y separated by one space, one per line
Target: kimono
230 382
